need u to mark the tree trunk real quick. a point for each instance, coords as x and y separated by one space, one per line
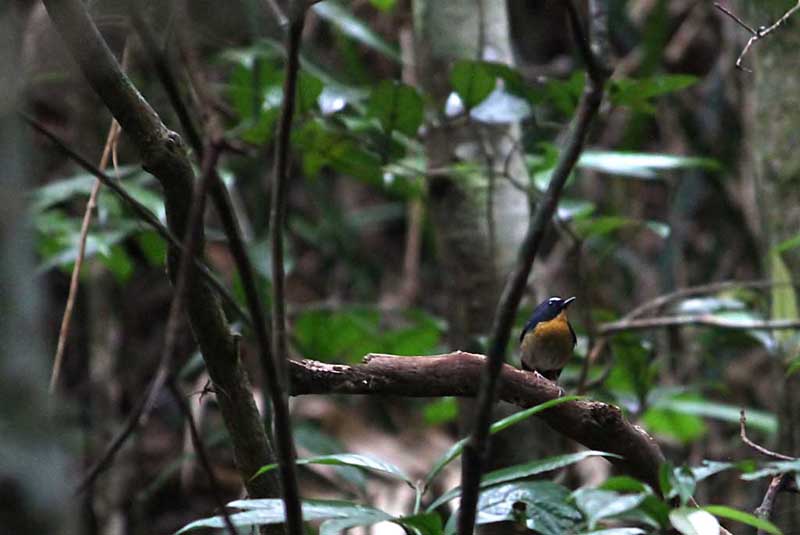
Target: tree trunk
33 489
774 130
479 215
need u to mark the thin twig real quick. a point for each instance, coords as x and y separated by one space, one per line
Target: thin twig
703 320
776 485
202 454
74 280
279 377
141 211
660 302
736 19
66 320
475 448
759 448
758 33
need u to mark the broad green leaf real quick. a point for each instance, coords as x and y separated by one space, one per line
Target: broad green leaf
458 448
547 509
520 471
343 19
639 164
348 459
662 421
422 524
761 420
773 468
690 521
65 189
472 81
709 468
744 518
637 93
597 504
397 107
270 511
309 89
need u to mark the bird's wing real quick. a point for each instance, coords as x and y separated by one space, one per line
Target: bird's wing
531 325
572 332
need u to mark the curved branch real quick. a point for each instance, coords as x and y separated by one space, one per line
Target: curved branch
594 424
163 154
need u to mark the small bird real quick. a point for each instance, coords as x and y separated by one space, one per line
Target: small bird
547 341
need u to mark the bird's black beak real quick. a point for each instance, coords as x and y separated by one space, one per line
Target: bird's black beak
567 302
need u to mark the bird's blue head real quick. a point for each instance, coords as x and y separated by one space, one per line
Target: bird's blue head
549 309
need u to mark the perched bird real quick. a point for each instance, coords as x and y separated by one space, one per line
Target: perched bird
547 341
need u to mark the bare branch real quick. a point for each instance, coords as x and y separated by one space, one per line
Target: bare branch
759 33
759 448
706 320
278 377
594 424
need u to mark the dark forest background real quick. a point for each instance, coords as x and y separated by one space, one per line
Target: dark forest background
425 139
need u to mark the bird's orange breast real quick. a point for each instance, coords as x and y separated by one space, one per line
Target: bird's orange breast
549 345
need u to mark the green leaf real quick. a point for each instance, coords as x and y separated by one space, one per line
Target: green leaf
457 448
440 411
794 365
520 471
397 107
690 521
472 81
598 504
547 510
593 227
309 89
153 247
761 420
615 531
383 5
637 94
744 518
65 189
788 245
641 165
270 511
422 524
773 468
348 459
343 19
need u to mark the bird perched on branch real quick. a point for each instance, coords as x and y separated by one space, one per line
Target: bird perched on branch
547 341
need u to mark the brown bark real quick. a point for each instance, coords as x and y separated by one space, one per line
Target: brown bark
594 424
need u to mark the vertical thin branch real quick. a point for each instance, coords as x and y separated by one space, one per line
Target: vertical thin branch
279 388
475 448
66 319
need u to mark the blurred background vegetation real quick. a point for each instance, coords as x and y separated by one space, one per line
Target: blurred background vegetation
412 177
